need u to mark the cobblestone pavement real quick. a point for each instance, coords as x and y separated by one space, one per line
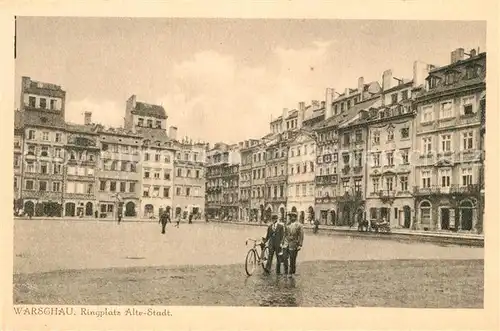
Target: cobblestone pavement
90 262
58 245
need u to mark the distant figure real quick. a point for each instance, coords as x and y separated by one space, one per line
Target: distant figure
178 220
164 220
119 217
190 218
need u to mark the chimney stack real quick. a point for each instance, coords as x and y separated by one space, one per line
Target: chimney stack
323 104
302 106
420 73
330 94
347 92
88 118
473 53
172 133
285 113
315 104
387 80
457 55
361 84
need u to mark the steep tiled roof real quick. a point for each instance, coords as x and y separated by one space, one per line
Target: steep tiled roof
40 119
80 128
347 115
146 109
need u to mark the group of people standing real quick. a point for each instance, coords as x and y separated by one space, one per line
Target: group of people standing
285 241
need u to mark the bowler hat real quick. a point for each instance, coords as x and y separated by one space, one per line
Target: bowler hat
292 214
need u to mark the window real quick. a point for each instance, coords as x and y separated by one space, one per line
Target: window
149 123
346 187
405 133
404 95
44 151
188 191
56 187
405 156
45 136
188 173
156 191
146 174
450 78
304 190
425 212
72 171
112 186
390 158
157 157
403 182
467 140
43 103
166 192
358 157
42 186
389 181
177 191
197 174
156 175
390 135
131 187
427 145
427 114
179 172
53 104
473 72
32 102
102 185
166 175
31 134
90 188
426 178
145 192
346 159
158 124
446 143
81 171
29 185
347 139
467 176
394 98
58 137
357 185
446 109
468 106
16 161
123 186
140 122
445 175
359 136
376 159
44 168
123 166
376 138
80 188
146 156
375 184
30 167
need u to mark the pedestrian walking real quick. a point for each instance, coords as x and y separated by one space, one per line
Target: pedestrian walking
119 217
178 219
190 218
274 238
294 238
164 220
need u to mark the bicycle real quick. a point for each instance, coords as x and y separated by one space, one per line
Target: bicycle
254 258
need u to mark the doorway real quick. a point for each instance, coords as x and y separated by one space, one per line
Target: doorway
407 217
445 218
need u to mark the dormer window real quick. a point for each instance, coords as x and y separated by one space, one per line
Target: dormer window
140 122
43 103
394 98
473 72
32 102
53 104
404 95
450 78
433 82
158 124
149 123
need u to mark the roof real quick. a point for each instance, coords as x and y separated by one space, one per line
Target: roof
348 115
458 63
146 109
80 128
460 84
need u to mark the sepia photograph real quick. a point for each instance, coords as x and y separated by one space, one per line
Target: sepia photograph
164 162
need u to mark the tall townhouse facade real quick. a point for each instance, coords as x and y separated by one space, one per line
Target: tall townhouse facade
258 180
118 173
222 182
276 175
82 150
18 160
448 136
246 150
301 175
157 154
189 176
341 153
42 164
390 176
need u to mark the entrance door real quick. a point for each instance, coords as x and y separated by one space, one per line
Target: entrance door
70 209
407 217
466 219
89 209
445 218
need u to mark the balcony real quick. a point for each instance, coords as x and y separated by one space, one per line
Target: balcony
469 189
453 189
389 194
326 179
355 196
327 199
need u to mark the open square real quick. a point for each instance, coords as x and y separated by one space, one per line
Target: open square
103 263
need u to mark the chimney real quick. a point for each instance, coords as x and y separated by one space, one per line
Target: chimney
315 104
361 84
285 113
87 118
330 94
347 92
420 73
302 106
387 80
323 104
473 52
172 132
457 55
301 116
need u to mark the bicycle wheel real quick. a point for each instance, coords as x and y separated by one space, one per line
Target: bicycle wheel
265 257
250 262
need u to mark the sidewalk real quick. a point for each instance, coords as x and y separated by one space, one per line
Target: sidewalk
459 238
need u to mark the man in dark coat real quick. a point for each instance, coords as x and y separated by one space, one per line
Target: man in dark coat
274 236
293 240
164 217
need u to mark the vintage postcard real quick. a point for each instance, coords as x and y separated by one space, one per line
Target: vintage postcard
291 167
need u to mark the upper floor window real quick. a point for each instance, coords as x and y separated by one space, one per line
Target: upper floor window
31 134
32 101
404 95
394 98
359 136
45 136
427 114
376 138
158 124
405 133
149 123
468 106
58 137
43 103
390 135
433 82
450 78
473 72
53 104
446 109
140 122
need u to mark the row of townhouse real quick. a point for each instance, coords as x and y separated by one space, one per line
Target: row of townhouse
65 170
407 150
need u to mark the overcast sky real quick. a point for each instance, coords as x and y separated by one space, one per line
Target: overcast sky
222 80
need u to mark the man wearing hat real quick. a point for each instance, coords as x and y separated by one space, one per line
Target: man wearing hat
294 237
275 234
